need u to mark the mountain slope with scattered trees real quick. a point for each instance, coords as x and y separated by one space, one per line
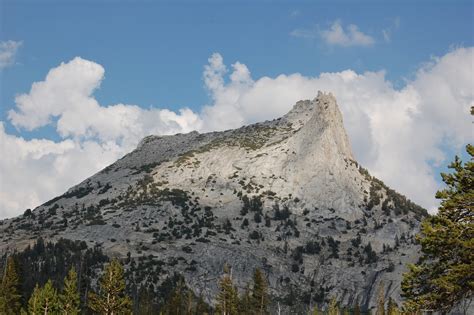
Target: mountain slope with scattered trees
285 197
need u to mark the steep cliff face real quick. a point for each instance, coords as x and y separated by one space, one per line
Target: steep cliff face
285 196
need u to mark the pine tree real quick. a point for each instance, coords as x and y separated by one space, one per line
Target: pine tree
177 300
111 299
259 298
227 298
9 290
381 301
443 276
357 309
333 308
44 300
34 301
69 298
245 301
201 307
188 302
392 308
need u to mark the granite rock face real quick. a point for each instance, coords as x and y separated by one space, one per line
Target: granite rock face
285 196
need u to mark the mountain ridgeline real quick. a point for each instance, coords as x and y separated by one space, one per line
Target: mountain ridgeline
283 196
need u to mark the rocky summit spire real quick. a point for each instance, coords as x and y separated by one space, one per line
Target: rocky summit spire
326 123
322 127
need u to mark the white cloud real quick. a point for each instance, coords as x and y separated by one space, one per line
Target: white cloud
8 50
387 32
336 35
66 95
395 133
305 33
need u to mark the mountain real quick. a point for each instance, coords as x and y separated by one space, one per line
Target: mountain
285 196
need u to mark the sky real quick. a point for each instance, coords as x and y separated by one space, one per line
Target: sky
82 82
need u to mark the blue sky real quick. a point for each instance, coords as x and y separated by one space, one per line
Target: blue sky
154 53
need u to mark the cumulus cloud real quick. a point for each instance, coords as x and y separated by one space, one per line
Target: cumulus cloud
65 96
8 50
336 35
396 133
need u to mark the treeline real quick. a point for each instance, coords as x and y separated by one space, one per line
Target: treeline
111 297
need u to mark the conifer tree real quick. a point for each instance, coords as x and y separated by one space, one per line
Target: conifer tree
227 298
381 301
177 302
259 299
9 289
333 308
111 299
245 301
44 300
356 309
392 308
69 298
443 276
34 301
201 307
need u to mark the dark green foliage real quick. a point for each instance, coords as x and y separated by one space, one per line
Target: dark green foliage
228 227
444 276
356 241
295 268
10 296
227 298
298 254
111 298
44 300
259 297
149 167
374 194
52 261
69 298
333 246
254 235
79 192
257 217
371 255
104 189
254 204
281 214
312 248
181 301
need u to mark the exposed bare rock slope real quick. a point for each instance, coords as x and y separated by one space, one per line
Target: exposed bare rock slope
286 196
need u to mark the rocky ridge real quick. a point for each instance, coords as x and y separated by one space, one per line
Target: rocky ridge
285 196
